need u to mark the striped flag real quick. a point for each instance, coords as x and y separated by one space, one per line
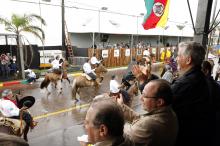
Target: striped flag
157 13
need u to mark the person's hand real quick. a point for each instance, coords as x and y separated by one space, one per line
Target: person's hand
136 70
82 143
23 108
119 100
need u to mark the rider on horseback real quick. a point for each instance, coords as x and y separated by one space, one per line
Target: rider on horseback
89 71
11 107
115 91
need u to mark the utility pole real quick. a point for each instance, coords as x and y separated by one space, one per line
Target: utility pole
202 22
63 27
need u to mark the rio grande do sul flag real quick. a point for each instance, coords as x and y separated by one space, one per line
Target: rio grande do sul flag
157 13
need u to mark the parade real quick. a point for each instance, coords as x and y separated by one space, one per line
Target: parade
124 93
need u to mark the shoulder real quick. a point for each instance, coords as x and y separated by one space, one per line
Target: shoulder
12 140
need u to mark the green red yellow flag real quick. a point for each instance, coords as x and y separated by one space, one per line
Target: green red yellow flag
157 13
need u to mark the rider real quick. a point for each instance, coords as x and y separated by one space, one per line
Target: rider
55 63
142 72
9 107
94 61
115 91
64 64
89 71
129 76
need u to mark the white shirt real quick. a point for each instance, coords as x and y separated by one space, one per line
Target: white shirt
87 68
8 108
114 86
31 74
94 60
146 53
55 64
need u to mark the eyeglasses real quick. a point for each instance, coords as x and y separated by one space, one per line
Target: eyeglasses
144 96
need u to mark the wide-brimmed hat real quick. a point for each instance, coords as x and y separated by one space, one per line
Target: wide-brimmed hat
27 101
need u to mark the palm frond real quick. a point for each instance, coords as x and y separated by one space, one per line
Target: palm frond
38 18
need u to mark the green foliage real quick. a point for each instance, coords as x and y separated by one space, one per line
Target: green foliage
25 23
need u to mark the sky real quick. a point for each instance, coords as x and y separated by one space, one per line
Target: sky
84 16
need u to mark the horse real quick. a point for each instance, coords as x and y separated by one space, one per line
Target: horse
51 77
15 127
82 81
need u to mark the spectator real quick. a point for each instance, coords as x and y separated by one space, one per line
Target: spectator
104 124
215 88
5 65
159 126
168 75
31 76
192 101
217 71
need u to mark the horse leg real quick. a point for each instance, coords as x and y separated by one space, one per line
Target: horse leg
26 129
68 80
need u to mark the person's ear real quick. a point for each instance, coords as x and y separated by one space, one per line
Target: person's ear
103 130
188 60
160 102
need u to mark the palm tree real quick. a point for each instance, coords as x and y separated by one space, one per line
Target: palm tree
20 24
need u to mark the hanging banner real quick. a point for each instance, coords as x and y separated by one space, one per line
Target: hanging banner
116 53
104 53
154 50
139 52
127 52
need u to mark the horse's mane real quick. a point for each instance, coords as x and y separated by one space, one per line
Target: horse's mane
57 71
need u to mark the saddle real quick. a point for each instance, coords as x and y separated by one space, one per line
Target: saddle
87 76
15 125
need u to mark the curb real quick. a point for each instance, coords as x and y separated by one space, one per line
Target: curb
16 82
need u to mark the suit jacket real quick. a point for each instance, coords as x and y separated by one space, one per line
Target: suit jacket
193 104
157 128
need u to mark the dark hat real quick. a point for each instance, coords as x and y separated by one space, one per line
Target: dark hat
27 101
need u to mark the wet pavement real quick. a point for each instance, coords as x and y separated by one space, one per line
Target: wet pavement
60 121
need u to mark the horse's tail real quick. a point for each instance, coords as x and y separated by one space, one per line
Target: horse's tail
74 90
45 82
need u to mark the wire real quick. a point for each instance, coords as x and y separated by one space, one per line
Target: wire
89 9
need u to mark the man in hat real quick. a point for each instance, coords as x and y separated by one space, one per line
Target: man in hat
115 91
11 107
89 71
94 61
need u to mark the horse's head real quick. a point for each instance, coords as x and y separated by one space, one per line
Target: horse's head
133 90
100 69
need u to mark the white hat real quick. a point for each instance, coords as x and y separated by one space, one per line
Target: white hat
114 86
6 92
94 60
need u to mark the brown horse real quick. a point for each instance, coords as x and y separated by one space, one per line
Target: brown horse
82 81
51 77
